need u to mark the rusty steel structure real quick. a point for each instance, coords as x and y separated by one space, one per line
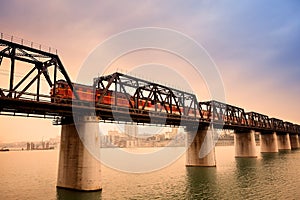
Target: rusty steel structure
228 115
41 63
161 105
169 105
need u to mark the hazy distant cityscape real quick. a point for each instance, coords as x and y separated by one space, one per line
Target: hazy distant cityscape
52 143
131 138
176 137
128 138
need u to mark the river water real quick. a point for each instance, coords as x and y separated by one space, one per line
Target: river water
32 175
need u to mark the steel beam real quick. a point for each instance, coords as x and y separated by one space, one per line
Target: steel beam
40 59
257 120
224 113
164 99
12 70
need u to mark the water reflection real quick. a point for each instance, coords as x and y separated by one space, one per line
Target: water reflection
201 183
269 176
269 157
247 177
63 194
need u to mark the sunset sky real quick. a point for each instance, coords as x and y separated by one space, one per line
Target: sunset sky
254 43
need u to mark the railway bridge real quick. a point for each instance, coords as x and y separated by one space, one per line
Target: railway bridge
123 98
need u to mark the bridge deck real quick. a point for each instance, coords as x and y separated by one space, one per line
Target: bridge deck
160 105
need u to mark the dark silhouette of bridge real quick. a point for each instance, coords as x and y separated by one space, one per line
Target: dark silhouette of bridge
169 106
16 100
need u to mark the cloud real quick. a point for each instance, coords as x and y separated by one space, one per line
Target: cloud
255 43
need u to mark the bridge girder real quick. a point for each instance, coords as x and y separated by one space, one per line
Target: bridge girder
39 61
258 120
224 113
142 95
277 125
160 101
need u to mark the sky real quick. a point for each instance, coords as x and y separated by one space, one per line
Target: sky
254 43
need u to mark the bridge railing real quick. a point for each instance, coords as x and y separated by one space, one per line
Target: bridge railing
222 113
27 96
28 43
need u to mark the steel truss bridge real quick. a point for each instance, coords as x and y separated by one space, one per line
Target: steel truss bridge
169 106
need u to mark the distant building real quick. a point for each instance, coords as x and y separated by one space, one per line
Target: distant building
131 139
47 145
172 134
32 146
160 137
131 130
28 146
115 138
113 133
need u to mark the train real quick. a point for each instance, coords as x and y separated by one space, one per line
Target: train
63 95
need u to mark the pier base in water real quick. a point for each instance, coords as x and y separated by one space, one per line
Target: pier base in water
244 142
294 139
201 150
268 143
284 142
78 169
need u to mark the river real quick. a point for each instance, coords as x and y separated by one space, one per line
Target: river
32 175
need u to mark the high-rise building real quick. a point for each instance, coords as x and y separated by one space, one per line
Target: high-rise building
131 130
32 146
28 146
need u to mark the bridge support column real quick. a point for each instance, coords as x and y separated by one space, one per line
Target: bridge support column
294 142
268 143
284 142
201 150
78 169
244 142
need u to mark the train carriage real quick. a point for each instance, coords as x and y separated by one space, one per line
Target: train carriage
64 95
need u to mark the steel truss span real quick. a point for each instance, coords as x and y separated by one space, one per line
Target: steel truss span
117 97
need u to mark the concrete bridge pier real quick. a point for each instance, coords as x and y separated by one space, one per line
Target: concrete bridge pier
284 142
78 169
244 142
201 150
268 143
294 139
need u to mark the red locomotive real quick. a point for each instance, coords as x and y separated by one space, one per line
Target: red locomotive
64 94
